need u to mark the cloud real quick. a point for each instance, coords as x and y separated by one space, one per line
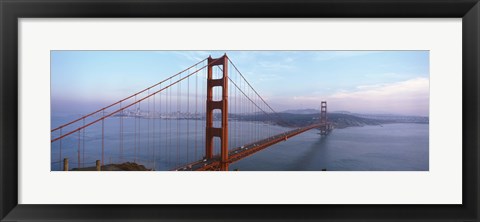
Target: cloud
410 97
267 69
289 59
269 77
194 56
275 65
390 75
417 86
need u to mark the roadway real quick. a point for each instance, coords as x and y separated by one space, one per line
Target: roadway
239 153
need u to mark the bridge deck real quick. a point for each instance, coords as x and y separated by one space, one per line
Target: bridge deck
245 151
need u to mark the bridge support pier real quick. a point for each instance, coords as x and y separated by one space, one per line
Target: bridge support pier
222 105
65 164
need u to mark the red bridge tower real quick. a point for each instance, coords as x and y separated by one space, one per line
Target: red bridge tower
325 127
222 105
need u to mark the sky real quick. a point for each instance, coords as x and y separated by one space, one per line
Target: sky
371 82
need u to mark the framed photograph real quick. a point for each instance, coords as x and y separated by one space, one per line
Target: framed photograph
226 110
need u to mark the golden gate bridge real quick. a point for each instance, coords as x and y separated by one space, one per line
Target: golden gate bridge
194 120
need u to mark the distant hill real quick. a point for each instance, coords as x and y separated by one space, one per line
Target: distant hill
302 111
339 120
389 117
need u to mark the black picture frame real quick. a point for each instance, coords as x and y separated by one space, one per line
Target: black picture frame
12 10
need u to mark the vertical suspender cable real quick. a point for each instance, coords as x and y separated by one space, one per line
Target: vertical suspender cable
135 131
167 130
161 127
120 148
103 137
178 120
170 124
139 140
154 118
148 126
83 144
196 112
60 151
78 151
188 115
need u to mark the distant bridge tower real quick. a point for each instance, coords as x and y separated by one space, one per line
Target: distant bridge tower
222 105
324 128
